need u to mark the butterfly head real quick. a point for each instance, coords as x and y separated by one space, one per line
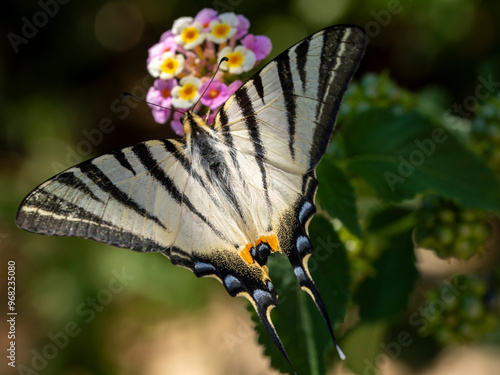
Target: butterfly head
194 125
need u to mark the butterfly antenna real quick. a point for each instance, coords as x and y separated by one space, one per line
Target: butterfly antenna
125 94
213 76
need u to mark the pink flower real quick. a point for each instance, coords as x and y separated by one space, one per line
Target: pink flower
260 45
243 26
205 16
176 123
191 51
231 89
166 34
216 94
159 94
166 44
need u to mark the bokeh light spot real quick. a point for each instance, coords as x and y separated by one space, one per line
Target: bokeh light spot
118 26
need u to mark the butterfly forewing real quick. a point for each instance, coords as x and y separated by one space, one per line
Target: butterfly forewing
140 198
289 107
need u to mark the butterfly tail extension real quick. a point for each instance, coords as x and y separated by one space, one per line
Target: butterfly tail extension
298 259
244 279
307 284
263 305
263 301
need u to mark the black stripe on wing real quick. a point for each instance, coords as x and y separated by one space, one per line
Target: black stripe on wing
286 81
122 159
56 216
257 82
342 50
186 164
90 170
301 55
213 161
153 167
70 180
228 138
250 119
179 257
49 213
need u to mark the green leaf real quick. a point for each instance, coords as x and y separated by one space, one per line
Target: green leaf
296 318
385 295
329 267
400 156
336 195
362 345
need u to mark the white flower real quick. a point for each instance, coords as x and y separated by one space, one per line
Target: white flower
187 32
223 28
241 59
166 66
186 94
180 24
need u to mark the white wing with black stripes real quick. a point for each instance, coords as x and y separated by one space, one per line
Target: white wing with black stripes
227 195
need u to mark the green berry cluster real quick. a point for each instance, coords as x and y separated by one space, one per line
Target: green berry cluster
449 230
485 131
361 253
375 91
461 310
380 91
360 261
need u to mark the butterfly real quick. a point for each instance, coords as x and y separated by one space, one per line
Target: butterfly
228 195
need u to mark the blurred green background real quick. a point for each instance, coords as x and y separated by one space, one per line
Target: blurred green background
66 79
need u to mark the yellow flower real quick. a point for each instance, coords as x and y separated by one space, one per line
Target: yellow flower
166 66
223 28
186 94
188 33
241 59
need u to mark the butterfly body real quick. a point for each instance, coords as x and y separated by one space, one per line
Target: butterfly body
229 194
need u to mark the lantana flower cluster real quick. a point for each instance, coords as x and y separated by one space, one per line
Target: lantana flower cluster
186 58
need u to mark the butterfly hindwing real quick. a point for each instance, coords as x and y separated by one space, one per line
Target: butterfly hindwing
283 118
228 195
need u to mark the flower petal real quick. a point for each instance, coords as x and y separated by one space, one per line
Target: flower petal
231 89
229 18
216 94
187 93
157 95
161 115
171 65
223 28
205 16
180 24
243 26
240 59
176 124
260 45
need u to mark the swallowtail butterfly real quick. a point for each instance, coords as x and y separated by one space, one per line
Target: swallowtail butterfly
228 195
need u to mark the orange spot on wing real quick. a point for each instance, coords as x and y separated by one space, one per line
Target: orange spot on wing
245 253
271 240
